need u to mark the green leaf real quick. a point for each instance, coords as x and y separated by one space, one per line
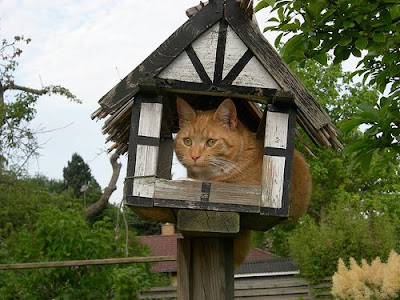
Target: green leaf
261 5
366 107
344 41
348 23
322 58
379 37
361 43
278 40
347 125
356 52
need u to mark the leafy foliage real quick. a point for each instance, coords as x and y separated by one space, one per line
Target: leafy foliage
347 204
65 235
346 233
367 30
17 108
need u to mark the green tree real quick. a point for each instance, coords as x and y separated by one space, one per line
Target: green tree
371 195
18 142
346 233
58 235
78 177
368 30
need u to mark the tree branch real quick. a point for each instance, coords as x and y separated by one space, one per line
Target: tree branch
13 86
97 207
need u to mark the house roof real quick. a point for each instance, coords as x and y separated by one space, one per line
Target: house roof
265 267
257 262
168 67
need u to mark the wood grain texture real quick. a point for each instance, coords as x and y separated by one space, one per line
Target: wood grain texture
205 269
184 254
206 49
181 69
143 187
150 119
276 130
234 50
208 221
146 160
221 193
255 75
250 34
273 182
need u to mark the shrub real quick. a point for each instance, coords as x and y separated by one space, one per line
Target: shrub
377 280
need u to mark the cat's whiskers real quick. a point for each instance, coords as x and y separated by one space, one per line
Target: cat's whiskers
225 164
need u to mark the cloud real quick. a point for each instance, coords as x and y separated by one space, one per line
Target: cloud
86 46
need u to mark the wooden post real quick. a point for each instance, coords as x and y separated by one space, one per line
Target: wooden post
205 268
205 255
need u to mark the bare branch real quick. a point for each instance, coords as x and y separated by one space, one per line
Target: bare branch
97 207
13 86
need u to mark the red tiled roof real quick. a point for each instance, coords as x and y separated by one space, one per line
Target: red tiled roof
165 245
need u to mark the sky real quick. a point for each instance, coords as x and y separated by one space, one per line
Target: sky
88 47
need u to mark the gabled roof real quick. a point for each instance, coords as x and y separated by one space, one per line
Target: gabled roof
258 261
217 50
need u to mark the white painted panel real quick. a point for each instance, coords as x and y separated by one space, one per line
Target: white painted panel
276 130
143 187
150 119
234 50
146 161
206 49
181 69
255 75
272 183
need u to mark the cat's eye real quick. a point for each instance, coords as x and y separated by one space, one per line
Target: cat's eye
211 142
187 141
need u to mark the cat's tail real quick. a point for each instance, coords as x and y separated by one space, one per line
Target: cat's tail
241 247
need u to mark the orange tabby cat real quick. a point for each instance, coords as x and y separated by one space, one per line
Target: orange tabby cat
215 146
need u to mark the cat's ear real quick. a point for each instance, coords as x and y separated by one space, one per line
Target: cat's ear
226 113
185 111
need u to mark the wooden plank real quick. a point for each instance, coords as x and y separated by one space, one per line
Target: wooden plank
150 120
181 69
155 214
87 262
272 181
282 281
146 160
143 187
261 95
222 193
206 49
165 155
202 205
234 50
205 269
177 189
276 130
273 291
208 221
184 253
255 75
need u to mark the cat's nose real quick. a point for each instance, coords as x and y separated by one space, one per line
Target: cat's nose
195 157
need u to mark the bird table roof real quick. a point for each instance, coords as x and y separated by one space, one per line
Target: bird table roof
219 51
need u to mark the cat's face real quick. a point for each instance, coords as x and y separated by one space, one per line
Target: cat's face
208 142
